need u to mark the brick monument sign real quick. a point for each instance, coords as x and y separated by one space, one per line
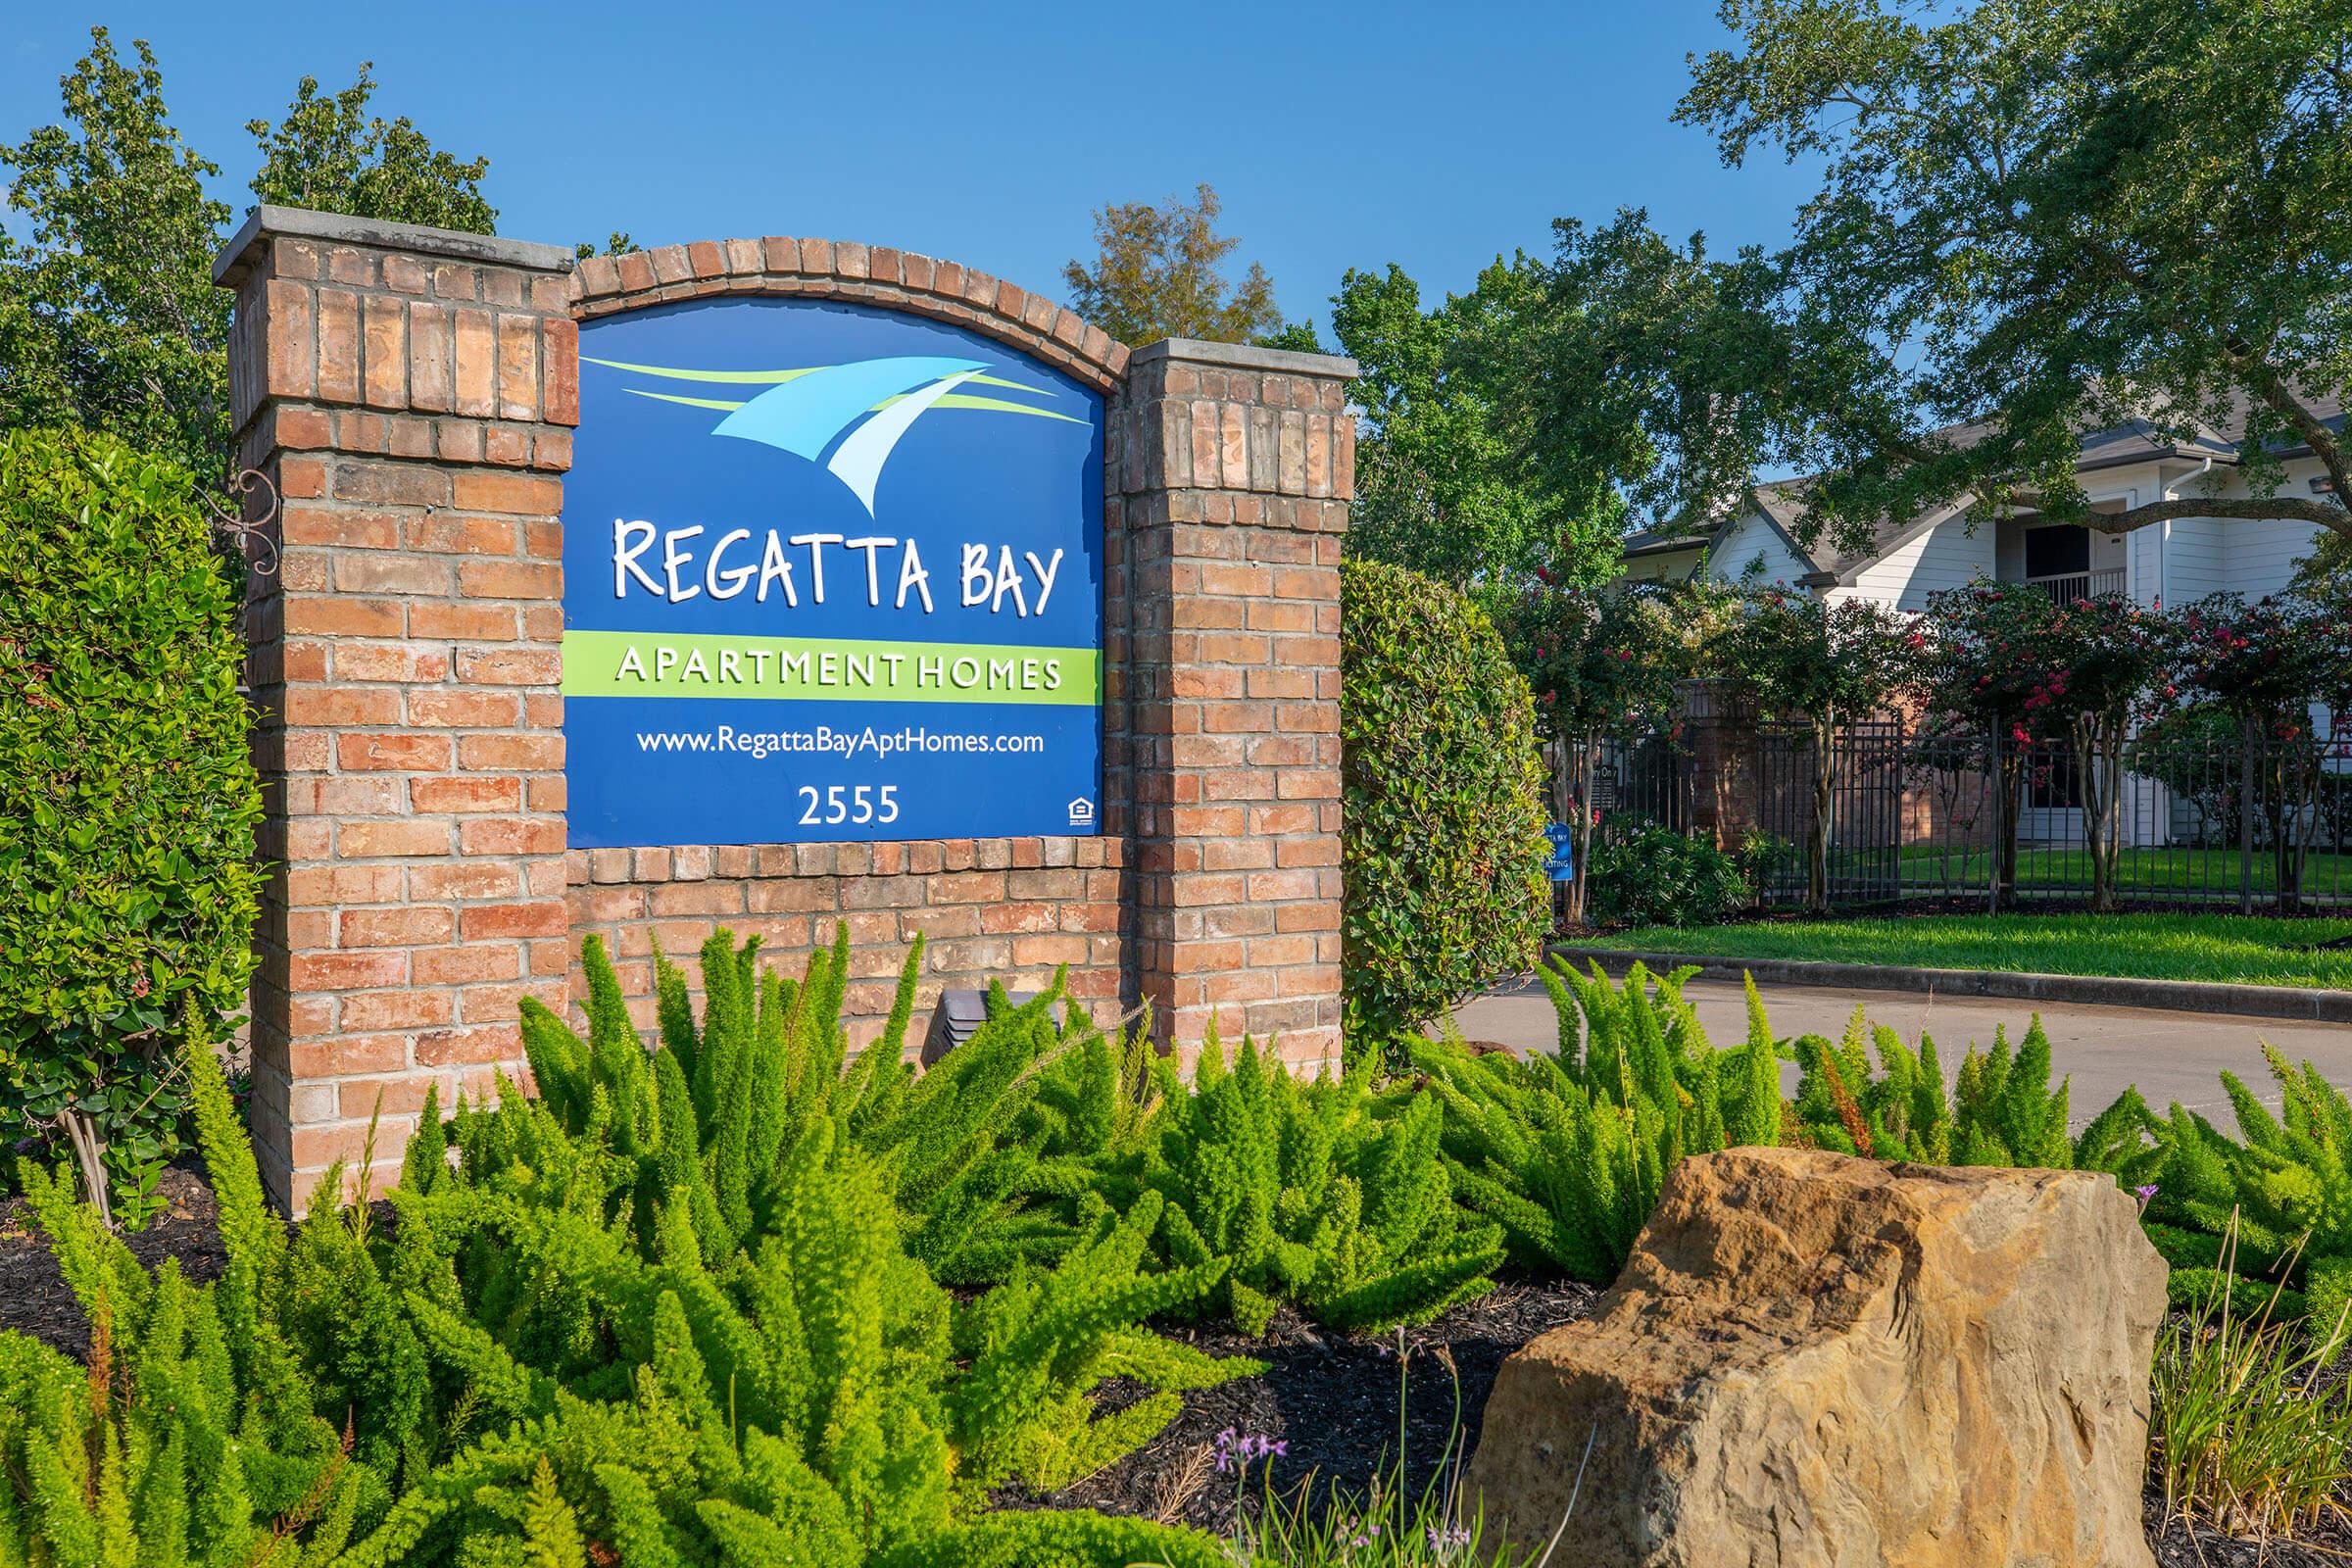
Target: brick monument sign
972 623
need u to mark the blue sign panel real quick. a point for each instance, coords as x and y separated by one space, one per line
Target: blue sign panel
830 572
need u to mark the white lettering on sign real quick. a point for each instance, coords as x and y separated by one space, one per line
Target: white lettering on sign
666 563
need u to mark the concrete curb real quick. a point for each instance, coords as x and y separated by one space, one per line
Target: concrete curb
2104 991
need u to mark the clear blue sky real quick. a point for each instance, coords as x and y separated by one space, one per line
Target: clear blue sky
1431 135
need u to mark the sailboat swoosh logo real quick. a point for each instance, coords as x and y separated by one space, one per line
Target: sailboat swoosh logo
849 418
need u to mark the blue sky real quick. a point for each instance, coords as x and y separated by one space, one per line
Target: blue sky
1434 136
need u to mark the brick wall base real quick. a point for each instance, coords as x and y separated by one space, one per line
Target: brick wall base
1014 909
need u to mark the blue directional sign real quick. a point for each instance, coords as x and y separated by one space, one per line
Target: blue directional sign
830 572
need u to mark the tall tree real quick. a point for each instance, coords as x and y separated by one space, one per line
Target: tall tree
1159 272
2045 217
1637 367
1448 478
108 317
331 155
108 313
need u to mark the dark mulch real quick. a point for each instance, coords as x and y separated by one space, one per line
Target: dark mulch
2180 1544
1334 1399
33 1297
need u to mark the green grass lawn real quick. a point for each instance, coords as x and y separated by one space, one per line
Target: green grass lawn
2195 871
2230 948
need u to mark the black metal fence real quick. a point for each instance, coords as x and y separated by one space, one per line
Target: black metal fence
2215 816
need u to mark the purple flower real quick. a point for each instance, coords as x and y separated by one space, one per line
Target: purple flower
1235 1449
2144 1193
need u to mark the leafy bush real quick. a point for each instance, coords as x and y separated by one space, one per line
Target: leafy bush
2281 1191
1567 1151
1656 876
279 1405
972 1151
1443 840
127 802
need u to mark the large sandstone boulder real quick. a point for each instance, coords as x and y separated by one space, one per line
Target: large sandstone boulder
1818 1360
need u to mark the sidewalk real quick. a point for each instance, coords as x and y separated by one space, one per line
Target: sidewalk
2170 1055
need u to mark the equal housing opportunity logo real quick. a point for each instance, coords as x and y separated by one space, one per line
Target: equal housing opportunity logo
859 411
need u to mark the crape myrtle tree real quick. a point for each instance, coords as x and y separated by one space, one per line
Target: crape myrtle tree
2266 664
1823 664
2104 663
108 319
1603 666
1979 670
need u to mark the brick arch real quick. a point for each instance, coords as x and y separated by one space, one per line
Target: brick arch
873 274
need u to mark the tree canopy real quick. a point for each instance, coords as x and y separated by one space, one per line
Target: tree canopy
2036 218
331 155
1158 272
108 319
108 315
1449 478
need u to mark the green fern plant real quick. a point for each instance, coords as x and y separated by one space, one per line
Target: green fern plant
981 1152
1317 1194
1566 1152
215 1423
2283 1187
2001 1109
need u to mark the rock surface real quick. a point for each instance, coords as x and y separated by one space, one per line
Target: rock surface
1818 1360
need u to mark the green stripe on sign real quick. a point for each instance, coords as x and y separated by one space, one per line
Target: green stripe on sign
648 663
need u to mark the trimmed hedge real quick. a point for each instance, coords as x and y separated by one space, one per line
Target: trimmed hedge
1442 840
128 799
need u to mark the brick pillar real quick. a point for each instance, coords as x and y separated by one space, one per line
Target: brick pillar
410 394
1234 466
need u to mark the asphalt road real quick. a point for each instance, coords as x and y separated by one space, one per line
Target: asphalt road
2170 1055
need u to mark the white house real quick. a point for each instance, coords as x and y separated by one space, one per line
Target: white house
1911 559
2173 562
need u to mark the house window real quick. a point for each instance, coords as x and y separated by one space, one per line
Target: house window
2061 550
2051 782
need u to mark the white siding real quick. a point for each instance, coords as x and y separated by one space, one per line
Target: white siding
2198 560
1946 556
2263 556
1753 540
2210 556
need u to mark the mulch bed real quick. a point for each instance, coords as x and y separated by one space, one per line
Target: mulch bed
1332 1398
33 1297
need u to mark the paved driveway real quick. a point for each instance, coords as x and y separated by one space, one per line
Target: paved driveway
2170 1055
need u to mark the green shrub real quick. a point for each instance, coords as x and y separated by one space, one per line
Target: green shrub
2001 1111
127 802
277 1409
1442 838
1656 876
977 1152
1317 1194
509 1373
1567 1151
2281 1191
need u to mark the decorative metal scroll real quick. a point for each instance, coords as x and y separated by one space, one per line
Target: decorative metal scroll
262 558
